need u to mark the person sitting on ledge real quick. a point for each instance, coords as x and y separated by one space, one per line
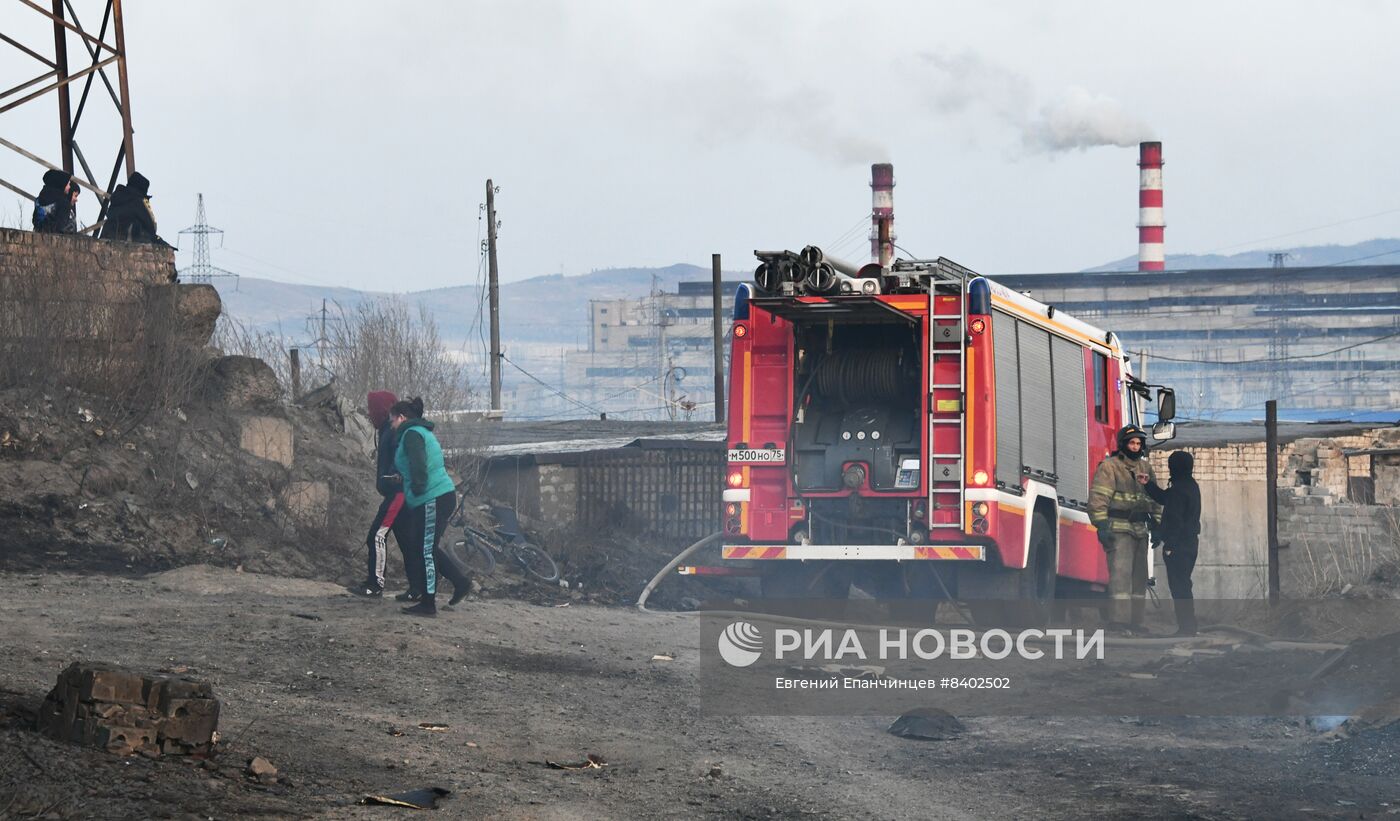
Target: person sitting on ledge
53 207
129 214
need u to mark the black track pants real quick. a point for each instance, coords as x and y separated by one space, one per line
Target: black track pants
1180 561
427 524
392 518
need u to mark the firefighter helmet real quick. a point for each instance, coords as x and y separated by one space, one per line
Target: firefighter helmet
1128 432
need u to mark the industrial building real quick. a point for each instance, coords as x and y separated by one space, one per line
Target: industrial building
1324 342
652 357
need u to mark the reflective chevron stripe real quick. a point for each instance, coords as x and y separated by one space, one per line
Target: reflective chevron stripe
904 552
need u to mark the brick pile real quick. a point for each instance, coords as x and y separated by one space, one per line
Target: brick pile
125 712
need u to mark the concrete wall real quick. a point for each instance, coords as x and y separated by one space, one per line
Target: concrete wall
545 496
1234 556
515 483
1327 547
558 508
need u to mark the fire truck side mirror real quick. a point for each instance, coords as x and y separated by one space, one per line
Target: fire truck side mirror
1162 431
1166 404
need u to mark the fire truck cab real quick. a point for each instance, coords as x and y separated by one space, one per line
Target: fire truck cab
917 431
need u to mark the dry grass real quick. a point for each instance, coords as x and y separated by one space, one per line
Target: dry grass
1350 560
120 339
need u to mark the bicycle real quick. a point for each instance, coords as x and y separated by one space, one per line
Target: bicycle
478 550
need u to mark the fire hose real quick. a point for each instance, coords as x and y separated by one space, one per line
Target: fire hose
1267 641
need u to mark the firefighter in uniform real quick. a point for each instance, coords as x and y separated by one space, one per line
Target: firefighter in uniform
1120 508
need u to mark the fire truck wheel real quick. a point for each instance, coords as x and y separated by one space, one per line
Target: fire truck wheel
1012 597
806 580
1037 588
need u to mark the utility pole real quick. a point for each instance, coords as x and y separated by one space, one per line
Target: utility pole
1279 382
296 373
321 342
717 299
1271 492
494 294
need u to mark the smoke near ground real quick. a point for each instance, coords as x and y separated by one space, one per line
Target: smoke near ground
1074 119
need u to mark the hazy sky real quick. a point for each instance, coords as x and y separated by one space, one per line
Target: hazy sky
348 142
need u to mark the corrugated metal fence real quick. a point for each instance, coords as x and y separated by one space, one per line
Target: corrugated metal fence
668 492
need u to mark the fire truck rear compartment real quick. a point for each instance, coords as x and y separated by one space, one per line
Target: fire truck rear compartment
858 391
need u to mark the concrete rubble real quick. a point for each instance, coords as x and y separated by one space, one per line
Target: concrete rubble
127 713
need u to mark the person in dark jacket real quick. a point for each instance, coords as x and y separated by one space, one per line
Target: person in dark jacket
430 497
55 201
390 517
68 212
1179 533
129 214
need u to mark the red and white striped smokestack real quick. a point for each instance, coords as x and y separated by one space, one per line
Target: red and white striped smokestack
882 213
1152 254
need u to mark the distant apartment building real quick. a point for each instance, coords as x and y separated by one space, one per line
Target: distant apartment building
650 357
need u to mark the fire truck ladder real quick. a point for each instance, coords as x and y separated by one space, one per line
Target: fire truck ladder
947 398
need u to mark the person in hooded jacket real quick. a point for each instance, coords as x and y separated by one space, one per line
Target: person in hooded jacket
53 206
129 214
430 497
1121 508
390 517
1179 533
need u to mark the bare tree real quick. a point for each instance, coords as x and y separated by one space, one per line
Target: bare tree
384 344
380 344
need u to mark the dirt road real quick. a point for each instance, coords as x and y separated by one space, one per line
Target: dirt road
332 690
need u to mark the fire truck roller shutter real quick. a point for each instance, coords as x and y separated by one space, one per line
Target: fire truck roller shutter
1008 399
1037 407
1071 421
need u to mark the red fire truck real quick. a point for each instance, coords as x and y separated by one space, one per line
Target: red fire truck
917 430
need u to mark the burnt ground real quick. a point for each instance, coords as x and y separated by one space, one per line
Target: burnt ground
332 690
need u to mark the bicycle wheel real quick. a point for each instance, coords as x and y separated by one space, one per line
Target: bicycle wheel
536 562
473 555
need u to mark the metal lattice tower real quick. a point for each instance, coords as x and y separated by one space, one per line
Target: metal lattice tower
202 270
103 48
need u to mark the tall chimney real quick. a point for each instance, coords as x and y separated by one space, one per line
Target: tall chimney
1152 255
882 213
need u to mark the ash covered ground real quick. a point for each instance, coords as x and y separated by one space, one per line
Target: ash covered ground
332 690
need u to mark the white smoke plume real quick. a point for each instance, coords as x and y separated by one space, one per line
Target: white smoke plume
1076 120
736 100
1083 120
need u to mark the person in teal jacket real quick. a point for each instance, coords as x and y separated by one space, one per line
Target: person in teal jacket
430 498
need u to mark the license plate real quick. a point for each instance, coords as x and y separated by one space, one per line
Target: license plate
758 456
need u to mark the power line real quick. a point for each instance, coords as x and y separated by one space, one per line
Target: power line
307 278
1303 231
1266 360
849 233
550 387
